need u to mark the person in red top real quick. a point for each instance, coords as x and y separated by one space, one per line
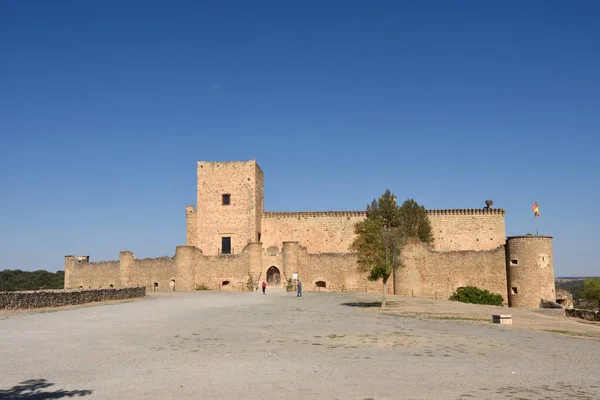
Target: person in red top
264 286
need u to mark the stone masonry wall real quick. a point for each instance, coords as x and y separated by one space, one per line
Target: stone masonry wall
213 271
437 274
64 297
319 232
333 231
148 271
475 229
588 315
338 271
94 275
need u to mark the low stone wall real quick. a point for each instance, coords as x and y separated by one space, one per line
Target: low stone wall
583 314
66 297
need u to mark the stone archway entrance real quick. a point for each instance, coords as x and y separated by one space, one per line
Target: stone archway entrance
273 276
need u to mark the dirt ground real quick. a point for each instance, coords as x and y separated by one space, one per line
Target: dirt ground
203 345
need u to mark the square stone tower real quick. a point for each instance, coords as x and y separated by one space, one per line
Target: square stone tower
229 206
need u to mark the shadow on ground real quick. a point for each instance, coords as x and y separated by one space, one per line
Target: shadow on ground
367 304
33 389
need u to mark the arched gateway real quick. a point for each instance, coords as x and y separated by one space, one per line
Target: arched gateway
273 276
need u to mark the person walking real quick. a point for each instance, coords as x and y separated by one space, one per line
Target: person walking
299 289
264 287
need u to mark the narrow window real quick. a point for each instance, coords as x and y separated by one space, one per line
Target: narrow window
225 245
226 199
514 290
514 262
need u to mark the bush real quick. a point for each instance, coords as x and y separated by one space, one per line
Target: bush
471 294
250 285
289 285
202 287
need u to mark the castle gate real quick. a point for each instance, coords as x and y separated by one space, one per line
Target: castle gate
273 276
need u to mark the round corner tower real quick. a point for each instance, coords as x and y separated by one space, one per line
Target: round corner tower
529 270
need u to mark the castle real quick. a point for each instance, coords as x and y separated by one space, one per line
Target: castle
232 243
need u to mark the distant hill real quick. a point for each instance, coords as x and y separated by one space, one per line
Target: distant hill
12 280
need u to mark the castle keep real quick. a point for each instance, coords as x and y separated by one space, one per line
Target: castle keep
231 239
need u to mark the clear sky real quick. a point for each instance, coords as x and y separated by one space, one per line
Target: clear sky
106 106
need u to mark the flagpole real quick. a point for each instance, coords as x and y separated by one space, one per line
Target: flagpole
536 226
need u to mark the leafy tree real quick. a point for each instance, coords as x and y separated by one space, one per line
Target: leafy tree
415 223
11 280
382 234
591 291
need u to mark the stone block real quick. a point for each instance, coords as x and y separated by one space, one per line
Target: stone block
503 319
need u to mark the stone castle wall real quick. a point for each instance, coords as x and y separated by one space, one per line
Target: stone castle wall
80 273
154 273
467 229
437 274
64 297
336 272
319 232
225 272
426 272
333 231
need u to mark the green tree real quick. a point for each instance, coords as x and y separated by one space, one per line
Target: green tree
591 291
11 280
382 234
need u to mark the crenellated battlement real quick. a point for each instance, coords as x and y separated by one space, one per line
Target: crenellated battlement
467 211
350 213
304 214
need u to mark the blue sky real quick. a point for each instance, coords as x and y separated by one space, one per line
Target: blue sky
105 108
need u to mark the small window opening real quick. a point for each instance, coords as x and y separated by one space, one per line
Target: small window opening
514 290
226 199
155 285
514 262
321 284
561 301
110 285
226 245
225 283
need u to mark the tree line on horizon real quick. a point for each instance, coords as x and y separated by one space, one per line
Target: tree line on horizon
17 280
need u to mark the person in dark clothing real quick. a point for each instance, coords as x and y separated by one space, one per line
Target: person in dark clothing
299 288
264 287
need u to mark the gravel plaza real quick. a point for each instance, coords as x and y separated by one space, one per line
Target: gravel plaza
211 345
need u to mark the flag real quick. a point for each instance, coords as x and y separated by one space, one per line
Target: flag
536 209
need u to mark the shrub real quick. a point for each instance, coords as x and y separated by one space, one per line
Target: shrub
289 285
471 294
202 287
250 285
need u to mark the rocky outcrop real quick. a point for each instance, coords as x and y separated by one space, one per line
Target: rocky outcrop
583 314
549 304
65 297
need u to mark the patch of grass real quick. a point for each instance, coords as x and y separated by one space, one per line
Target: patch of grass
363 304
333 336
456 318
